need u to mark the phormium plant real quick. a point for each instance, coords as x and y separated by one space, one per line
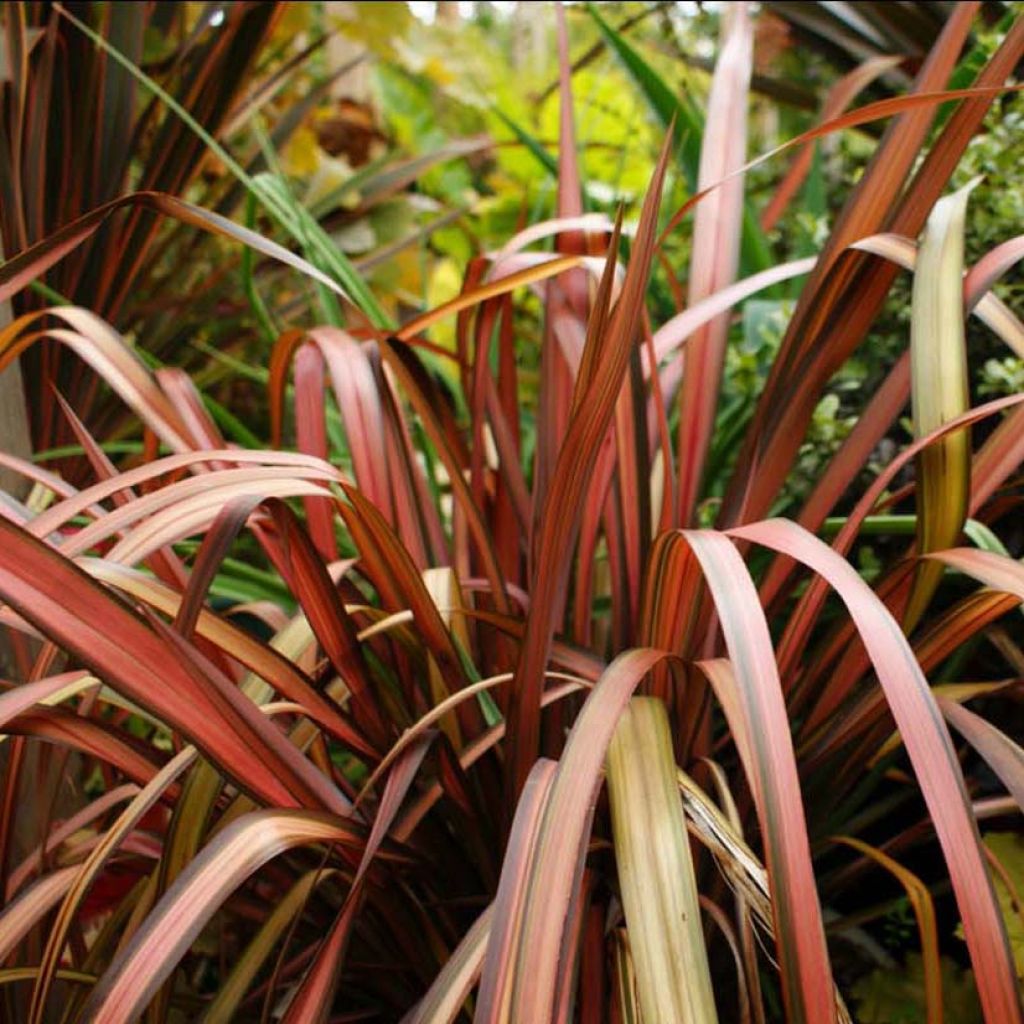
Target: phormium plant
509 734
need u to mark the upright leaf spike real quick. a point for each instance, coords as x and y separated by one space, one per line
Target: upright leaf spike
716 249
939 392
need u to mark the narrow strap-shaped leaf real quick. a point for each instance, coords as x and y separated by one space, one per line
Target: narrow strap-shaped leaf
594 404
86 620
185 398
836 101
924 910
673 105
61 833
102 348
566 308
312 1002
19 917
939 391
311 436
997 459
834 314
96 739
232 990
801 620
540 269
440 427
31 263
146 962
388 565
498 971
330 621
165 564
931 754
992 266
560 841
270 190
265 662
89 871
448 992
216 544
62 512
358 391
656 877
1003 756
51 690
799 932
716 250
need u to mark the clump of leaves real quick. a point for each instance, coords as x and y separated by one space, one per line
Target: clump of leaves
511 680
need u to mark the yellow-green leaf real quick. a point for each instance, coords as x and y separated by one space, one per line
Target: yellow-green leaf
939 393
896 996
659 892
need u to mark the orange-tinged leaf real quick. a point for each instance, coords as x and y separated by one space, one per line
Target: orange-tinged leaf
90 869
544 267
924 910
837 99
170 928
593 407
931 753
877 111
102 348
87 621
